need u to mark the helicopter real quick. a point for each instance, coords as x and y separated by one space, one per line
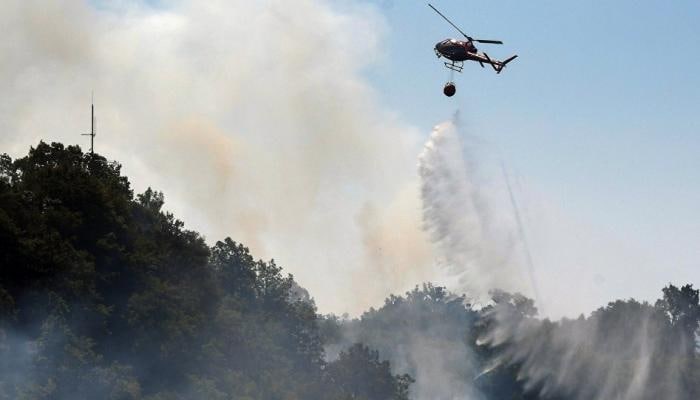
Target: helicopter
459 51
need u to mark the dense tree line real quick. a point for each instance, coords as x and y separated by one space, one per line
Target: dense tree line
105 295
625 350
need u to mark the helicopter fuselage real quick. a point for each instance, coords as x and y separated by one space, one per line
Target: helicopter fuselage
457 50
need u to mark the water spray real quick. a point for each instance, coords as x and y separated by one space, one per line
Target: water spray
523 238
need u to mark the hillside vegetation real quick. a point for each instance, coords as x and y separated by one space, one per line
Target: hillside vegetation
104 295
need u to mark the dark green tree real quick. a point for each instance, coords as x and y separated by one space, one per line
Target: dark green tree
682 307
362 376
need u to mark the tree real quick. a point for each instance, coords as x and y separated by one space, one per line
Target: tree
234 269
360 375
682 307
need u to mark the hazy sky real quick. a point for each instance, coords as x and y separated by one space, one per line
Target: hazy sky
598 118
295 127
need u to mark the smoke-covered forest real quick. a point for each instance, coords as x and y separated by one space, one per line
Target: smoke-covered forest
104 295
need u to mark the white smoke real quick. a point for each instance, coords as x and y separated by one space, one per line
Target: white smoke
254 118
423 334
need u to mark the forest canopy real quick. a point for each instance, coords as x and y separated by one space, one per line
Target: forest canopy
103 294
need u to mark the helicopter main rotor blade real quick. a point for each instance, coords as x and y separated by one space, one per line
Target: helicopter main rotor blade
486 41
449 22
471 39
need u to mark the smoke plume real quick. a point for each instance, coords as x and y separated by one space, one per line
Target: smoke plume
254 118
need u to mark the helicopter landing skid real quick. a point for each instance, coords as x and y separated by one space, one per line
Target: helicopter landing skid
455 65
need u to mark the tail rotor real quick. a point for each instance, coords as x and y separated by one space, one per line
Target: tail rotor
505 62
499 65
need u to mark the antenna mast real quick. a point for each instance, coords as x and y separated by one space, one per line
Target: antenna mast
92 126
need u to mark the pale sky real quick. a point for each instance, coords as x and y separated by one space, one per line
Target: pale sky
598 118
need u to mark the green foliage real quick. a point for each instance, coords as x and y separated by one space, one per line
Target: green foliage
361 375
627 349
423 334
503 351
103 295
66 366
682 307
